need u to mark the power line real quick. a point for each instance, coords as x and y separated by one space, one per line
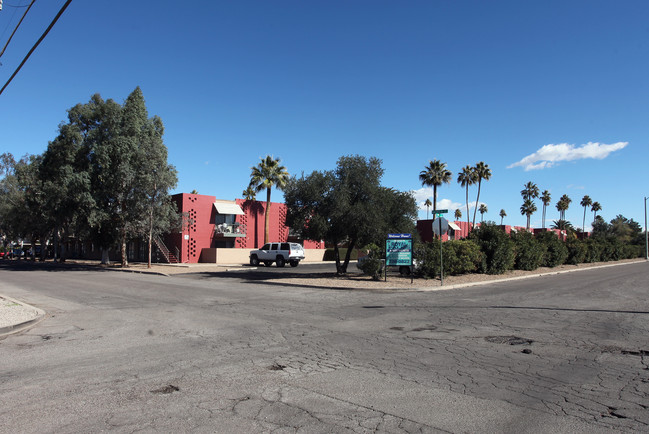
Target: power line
18 25
56 18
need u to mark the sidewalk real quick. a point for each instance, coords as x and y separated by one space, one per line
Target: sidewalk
16 315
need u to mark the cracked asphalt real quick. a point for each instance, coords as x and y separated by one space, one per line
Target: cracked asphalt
142 353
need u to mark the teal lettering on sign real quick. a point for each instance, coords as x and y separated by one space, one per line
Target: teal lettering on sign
398 252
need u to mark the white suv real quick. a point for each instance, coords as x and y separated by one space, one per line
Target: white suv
279 253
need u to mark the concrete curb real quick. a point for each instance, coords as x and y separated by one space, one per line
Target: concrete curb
529 276
15 328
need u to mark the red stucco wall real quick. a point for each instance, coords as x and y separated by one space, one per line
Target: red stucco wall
200 233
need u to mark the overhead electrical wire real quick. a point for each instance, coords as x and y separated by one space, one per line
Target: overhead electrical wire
18 25
56 18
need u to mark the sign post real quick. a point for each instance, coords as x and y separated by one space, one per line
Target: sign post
398 251
441 256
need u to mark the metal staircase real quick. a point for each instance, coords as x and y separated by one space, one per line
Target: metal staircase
169 257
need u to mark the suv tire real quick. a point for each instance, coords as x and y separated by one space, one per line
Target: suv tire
254 260
294 263
280 261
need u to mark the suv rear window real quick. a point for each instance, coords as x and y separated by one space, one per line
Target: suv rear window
285 246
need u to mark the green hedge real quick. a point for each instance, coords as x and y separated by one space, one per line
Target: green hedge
496 246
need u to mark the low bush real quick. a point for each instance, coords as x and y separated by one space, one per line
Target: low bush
427 257
556 251
372 265
529 252
593 250
577 251
496 246
461 257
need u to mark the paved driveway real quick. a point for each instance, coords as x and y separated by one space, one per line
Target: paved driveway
130 352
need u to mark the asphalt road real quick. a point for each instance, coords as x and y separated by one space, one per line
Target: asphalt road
128 352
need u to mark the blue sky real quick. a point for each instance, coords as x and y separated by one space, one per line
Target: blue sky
553 92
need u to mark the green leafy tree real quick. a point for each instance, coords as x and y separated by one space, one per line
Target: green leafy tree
546 199
267 174
586 201
434 175
466 178
482 171
129 174
156 178
348 206
502 215
66 182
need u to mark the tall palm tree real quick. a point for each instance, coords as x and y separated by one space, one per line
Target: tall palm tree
428 204
527 209
482 172
466 178
594 208
562 206
249 193
586 201
502 214
483 209
434 175
545 198
530 191
266 175
458 214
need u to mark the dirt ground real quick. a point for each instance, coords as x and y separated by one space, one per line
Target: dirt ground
353 281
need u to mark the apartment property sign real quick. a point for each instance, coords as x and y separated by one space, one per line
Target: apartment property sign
398 249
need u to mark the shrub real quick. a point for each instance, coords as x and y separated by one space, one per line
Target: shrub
556 251
593 250
577 250
427 255
496 246
529 252
372 265
461 257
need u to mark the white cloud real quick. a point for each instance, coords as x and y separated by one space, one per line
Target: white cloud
548 155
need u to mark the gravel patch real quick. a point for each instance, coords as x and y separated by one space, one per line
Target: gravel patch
14 313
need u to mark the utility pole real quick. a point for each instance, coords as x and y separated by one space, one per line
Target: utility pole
646 236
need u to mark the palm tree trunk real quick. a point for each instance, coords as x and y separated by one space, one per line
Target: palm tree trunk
543 216
583 222
477 200
434 201
266 221
468 214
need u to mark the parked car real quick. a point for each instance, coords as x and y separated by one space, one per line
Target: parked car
279 253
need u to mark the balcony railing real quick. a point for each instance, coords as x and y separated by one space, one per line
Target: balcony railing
230 230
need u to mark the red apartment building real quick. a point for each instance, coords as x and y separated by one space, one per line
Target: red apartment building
225 231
